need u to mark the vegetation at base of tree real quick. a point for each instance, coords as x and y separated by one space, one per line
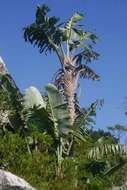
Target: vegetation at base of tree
47 139
39 168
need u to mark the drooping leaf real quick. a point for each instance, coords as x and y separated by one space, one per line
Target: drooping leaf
81 39
85 118
114 168
44 32
86 55
40 119
104 149
33 98
59 109
71 23
86 72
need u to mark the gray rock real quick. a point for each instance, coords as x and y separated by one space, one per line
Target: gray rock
8 181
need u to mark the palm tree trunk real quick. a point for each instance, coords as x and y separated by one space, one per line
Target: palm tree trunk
69 91
71 108
69 83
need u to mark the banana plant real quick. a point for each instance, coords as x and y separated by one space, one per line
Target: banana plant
73 46
51 116
54 115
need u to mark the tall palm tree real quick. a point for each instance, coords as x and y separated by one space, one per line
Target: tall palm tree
72 45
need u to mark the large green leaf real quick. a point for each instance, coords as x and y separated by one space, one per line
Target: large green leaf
35 111
71 23
44 32
80 39
33 98
85 118
59 110
86 55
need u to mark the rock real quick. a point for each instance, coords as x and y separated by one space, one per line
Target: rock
8 181
3 69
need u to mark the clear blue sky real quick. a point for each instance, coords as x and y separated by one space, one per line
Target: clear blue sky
107 18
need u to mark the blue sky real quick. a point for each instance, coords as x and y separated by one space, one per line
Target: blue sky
106 18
